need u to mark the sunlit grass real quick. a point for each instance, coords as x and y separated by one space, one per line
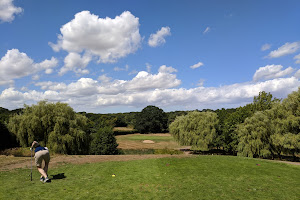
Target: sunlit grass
199 177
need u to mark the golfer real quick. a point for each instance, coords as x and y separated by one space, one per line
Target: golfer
41 153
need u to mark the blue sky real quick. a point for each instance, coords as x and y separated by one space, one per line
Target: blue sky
120 56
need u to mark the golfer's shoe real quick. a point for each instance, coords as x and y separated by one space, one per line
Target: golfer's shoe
42 179
47 180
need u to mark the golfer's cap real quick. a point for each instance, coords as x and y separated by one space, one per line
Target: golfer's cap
35 144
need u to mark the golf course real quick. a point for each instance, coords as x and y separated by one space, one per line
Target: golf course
156 176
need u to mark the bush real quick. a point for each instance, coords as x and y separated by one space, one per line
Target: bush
103 142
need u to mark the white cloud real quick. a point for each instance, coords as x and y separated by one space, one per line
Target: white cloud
35 77
8 10
74 62
165 69
297 74
148 67
287 48
105 38
265 47
207 30
158 38
144 89
199 64
117 69
16 64
133 72
104 78
49 85
297 58
271 72
201 83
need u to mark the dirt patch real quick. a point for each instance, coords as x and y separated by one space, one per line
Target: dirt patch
9 162
148 142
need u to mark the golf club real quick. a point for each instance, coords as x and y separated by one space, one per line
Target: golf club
31 166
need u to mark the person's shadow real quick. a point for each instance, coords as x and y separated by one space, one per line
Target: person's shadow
58 176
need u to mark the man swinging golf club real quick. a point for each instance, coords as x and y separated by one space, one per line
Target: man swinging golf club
41 153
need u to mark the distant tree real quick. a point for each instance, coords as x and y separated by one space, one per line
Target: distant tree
120 120
229 136
223 115
151 120
53 124
197 129
103 142
264 101
172 115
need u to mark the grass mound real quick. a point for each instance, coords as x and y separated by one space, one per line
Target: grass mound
199 177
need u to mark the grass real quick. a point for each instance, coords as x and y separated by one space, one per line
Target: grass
199 177
152 137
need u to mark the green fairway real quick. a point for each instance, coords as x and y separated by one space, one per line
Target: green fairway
147 137
199 177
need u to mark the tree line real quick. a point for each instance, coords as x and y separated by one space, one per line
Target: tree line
266 128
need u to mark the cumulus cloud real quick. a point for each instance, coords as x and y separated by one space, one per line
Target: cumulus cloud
103 38
297 58
165 69
271 72
16 64
160 89
158 38
104 78
74 62
199 64
265 47
206 30
287 48
8 10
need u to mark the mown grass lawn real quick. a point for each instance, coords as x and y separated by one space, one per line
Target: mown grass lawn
199 177
142 137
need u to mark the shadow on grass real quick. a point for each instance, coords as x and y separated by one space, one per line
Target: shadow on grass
289 158
58 176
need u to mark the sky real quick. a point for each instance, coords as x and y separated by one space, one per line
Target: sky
122 55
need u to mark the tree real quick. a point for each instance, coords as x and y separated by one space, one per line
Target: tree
254 136
286 123
104 142
7 139
55 125
264 101
197 129
272 131
151 120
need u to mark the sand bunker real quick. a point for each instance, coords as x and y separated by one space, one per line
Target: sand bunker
148 142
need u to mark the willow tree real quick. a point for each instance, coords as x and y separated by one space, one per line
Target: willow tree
286 121
254 136
197 129
273 131
55 125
